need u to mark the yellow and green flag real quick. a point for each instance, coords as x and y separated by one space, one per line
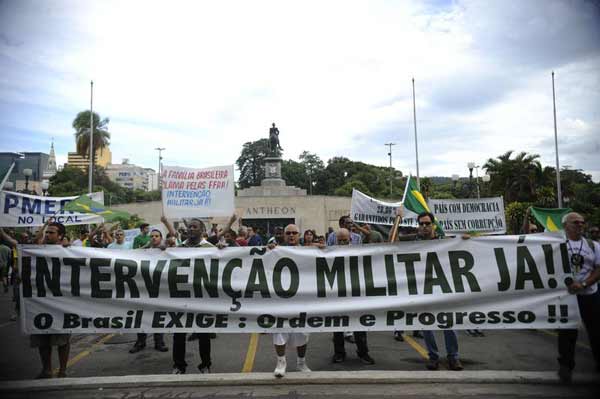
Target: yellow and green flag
414 201
550 218
84 204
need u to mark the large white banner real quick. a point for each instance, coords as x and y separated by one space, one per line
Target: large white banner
491 282
485 215
365 209
197 192
24 210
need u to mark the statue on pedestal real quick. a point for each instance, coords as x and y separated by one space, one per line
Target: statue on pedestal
274 146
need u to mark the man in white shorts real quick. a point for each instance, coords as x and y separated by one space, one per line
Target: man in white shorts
299 340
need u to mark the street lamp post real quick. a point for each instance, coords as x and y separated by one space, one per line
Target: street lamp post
44 185
391 170
471 166
486 179
160 150
27 172
455 181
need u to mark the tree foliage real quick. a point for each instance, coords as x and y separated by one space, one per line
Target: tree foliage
81 124
72 181
251 163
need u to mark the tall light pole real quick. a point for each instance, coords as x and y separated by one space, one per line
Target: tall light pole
160 150
416 141
391 170
91 169
471 166
558 188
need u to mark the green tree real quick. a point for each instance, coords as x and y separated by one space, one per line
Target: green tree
514 178
313 167
251 163
294 174
81 124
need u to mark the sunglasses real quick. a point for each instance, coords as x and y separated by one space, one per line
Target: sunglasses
343 241
424 223
289 233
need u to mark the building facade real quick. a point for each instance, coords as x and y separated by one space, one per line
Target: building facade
103 158
131 176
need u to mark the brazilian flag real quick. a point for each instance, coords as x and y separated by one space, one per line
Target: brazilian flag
414 201
84 204
550 218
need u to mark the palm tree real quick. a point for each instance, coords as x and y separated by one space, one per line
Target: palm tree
517 178
81 124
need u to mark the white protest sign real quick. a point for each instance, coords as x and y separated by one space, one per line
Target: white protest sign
365 209
490 282
485 215
190 192
24 210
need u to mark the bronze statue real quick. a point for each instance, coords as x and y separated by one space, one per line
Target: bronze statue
274 146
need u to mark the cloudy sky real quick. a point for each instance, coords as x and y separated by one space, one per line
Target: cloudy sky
202 78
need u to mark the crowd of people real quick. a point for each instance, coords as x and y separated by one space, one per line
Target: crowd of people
584 256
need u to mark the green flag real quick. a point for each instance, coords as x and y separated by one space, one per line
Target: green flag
84 204
414 201
550 218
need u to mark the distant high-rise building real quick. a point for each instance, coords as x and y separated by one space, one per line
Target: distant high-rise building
103 158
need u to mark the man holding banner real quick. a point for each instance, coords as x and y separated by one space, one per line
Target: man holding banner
299 340
584 255
54 234
427 231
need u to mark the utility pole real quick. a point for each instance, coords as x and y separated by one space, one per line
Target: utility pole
391 169
416 141
91 168
160 150
558 188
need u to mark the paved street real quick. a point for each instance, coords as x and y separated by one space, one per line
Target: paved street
107 355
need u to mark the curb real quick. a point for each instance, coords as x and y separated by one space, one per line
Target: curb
313 378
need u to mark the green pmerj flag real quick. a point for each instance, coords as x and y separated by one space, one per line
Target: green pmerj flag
550 218
84 204
414 201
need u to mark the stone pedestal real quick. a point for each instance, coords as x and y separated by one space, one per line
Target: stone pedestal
272 185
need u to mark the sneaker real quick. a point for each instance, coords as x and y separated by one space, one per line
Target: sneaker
338 358
432 364
280 368
417 334
472 333
62 374
177 370
565 374
398 336
302 367
480 333
349 337
366 359
43 375
137 347
204 368
455 364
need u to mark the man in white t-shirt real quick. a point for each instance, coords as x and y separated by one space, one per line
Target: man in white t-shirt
119 242
584 255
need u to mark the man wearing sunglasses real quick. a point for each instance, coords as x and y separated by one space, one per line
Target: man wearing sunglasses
584 256
299 340
426 231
